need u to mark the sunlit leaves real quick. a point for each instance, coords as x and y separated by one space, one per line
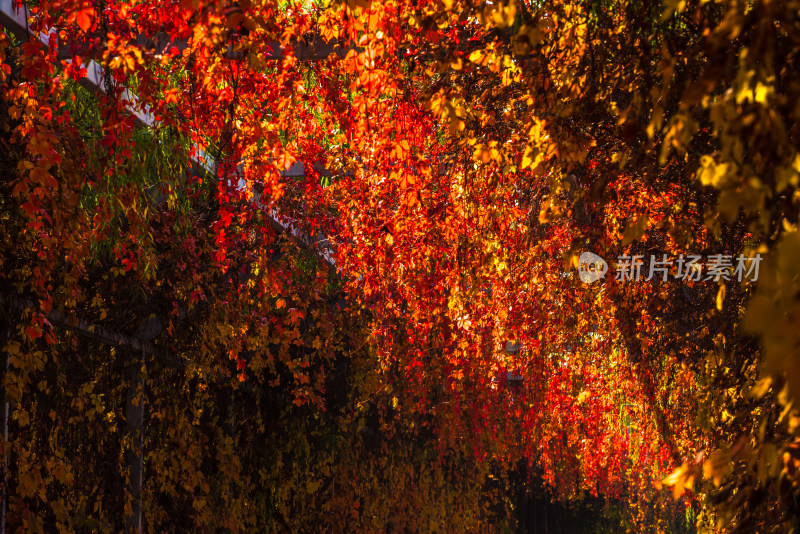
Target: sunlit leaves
681 480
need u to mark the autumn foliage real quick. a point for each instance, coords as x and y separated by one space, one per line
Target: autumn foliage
302 267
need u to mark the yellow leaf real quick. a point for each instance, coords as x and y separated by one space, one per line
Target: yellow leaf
527 37
761 387
717 466
532 158
720 296
477 56
504 15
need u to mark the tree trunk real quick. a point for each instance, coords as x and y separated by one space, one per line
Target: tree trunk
135 454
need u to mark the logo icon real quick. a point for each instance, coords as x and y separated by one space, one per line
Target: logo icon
591 267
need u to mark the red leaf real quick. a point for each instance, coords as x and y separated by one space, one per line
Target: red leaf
33 332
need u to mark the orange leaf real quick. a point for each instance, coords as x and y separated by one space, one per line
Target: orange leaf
411 199
84 19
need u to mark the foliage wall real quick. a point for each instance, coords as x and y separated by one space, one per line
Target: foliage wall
459 157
